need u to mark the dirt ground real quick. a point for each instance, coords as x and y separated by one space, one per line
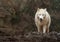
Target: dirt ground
31 37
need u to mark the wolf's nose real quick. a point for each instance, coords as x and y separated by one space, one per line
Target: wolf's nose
40 19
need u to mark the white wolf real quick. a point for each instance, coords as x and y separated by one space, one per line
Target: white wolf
42 20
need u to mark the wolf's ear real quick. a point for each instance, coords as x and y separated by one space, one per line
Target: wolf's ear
38 9
45 9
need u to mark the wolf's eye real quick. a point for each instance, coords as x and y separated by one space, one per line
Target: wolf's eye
39 14
43 15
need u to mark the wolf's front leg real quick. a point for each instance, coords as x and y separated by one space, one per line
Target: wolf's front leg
47 29
44 29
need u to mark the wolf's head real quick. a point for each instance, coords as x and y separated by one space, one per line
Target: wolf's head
41 14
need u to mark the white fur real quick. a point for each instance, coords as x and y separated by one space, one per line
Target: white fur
40 14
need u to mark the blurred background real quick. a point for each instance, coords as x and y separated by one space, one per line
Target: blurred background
17 16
